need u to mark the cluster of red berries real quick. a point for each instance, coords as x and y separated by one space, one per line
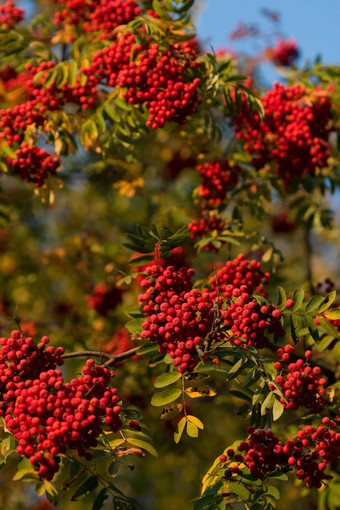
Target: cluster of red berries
46 415
284 53
250 321
10 15
161 79
310 452
53 97
300 383
178 316
292 139
109 14
33 164
96 15
14 121
236 273
217 178
263 452
104 298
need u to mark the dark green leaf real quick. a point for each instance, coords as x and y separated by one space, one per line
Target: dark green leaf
239 490
88 486
281 296
100 499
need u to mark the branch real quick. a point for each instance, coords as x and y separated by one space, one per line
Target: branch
112 358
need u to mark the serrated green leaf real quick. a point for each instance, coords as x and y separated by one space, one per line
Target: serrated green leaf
72 74
165 397
141 260
148 348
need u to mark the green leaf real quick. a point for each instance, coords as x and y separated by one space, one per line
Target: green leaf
272 492
314 303
277 409
298 298
333 314
100 499
142 444
236 369
166 379
28 472
88 486
268 403
111 112
327 326
312 328
179 430
239 490
72 75
163 13
294 327
281 296
135 325
328 301
165 397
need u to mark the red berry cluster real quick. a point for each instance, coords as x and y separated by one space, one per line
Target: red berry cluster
284 53
309 452
14 121
96 15
104 298
178 316
109 14
250 321
33 164
10 15
217 178
300 383
46 415
264 452
236 273
312 450
292 139
161 79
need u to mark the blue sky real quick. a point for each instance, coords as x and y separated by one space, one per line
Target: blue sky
313 23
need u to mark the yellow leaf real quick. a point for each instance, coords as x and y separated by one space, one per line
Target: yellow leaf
200 391
195 421
170 411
